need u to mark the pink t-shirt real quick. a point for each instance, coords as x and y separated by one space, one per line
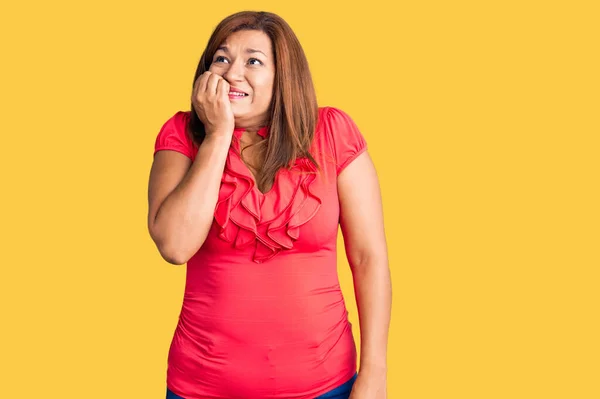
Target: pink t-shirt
263 315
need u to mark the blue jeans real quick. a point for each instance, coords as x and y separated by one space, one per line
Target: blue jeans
341 392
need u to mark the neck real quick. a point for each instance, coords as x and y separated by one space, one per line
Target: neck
253 129
251 126
250 137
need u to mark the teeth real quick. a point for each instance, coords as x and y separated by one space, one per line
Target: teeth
233 93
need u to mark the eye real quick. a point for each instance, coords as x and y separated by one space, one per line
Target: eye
220 58
252 60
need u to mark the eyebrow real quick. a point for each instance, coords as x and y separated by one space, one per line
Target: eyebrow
249 51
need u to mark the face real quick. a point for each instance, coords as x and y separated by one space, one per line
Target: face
246 61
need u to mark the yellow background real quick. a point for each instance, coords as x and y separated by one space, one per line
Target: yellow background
483 121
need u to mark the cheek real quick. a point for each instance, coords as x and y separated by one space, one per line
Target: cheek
265 89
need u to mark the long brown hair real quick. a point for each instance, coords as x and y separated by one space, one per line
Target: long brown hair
293 109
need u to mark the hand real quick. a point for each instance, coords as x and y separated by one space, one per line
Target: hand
369 386
211 103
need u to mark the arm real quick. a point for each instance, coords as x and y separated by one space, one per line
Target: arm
361 220
182 197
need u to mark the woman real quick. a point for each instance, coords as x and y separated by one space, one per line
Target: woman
249 188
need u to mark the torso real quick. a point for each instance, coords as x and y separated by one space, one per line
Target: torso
263 315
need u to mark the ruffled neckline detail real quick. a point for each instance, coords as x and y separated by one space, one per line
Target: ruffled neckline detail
268 221
262 131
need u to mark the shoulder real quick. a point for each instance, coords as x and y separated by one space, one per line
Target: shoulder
330 111
341 135
336 123
329 114
179 120
174 135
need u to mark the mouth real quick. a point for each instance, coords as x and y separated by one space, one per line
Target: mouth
236 93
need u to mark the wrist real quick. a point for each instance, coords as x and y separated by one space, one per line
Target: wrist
372 367
218 138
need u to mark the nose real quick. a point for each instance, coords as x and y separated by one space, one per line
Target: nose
235 72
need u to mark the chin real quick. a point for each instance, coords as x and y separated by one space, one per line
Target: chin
238 114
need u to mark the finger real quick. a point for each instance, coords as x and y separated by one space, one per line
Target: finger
211 85
202 81
223 89
200 86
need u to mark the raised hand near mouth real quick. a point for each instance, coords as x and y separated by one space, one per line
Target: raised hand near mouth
211 103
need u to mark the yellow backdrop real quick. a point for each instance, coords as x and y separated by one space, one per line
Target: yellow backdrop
482 119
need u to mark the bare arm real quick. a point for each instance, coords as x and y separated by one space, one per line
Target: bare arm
362 226
182 196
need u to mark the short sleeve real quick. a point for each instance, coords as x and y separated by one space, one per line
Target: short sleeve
346 140
173 136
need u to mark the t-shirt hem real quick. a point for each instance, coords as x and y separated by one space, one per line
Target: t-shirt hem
180 150
336 384
343 166
346 377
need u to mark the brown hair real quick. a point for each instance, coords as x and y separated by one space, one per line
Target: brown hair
293 109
